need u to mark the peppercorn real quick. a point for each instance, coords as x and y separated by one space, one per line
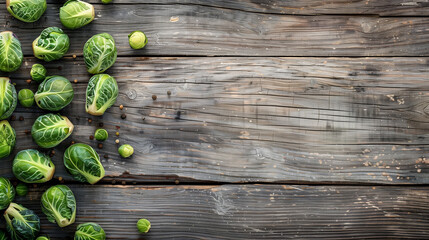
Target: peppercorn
72 142
21 118
117 133
106 156
117 127
121 107
27 132
74 55
89 120
28 81
75 81
154 97
117 141
13 118
168 92
123 116
91 137
100 146
101 124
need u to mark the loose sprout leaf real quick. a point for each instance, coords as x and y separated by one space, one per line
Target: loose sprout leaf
8 98
51 129
32 166
59 205
26 10
7 193
83 163
54 93
99 53
75 14
51 45
10 52
7 138
21 223
101 94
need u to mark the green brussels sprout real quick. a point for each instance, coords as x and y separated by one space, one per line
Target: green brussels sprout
26 10
54 93
21 189
59 205
137 39
106 1
76 14
38 72
83 163
143 225
10 52
7 139
101 94
101 134
51 45
51 129
3 235
32 166
26 97
7 193
43 238
126 150
21 222
99 53
8 98
89 231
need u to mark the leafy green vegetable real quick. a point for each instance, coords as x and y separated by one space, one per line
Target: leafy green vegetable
101 134
143 225
51 129
7 139
101 94
43 238
10 52
106 1
3 235
21 189
51 45
7 193
26 97
32 166
137 39
89 231
8 98
54 93
99 53
38 72
59 205
126 150
26 10
21 223
75 14
83 163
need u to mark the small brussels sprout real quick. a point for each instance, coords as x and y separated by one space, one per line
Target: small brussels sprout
89 231
59 205
43 238
51 129
21 222
8 98
21 189
126 150
143 225
51 45
7 193
54 93
137 39
101 134
106 1
76 14
83 163
26 97
10 52
3 235
38 72
7 139
26 10
99 53
101 94
32 166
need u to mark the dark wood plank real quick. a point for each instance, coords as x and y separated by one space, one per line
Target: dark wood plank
255 119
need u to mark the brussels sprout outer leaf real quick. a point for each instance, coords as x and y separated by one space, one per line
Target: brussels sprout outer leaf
7 138
75 14
59 205
32 166
10 52
21 189
26 97
137 39
89 231
38 72
99 53
51 45
101 94
51 129
21 223
7 193
26 10
83 163
54 93
8 98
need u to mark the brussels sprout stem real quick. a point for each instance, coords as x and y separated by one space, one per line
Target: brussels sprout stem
13 211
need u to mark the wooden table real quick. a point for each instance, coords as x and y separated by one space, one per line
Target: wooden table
286 119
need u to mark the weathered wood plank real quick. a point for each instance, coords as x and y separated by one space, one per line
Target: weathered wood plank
255 119
205 30
248 211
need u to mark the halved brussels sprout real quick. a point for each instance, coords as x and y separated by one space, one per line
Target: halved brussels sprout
137 39
75 14
59 205
54 93
21 189
32 166
26 97
3 235
126 150
26 10
99 53
89 231
51 45
7 193
38 72
101 94
83 163
101 134
10 52
51 129
8 98
21 222
7 139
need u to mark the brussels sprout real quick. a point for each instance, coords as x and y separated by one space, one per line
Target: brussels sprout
89 231
101 134
51 45
43 238
143 225
7 138
21 223
8 98
99 53
59 205
3 235
26 10
76 14
54 93
7 193
21 189
101 94
38 72
10 52
26 97
137 39
32 166
83 162
126 150
51 129
106 1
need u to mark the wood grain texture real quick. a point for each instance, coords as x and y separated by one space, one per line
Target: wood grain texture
348 120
